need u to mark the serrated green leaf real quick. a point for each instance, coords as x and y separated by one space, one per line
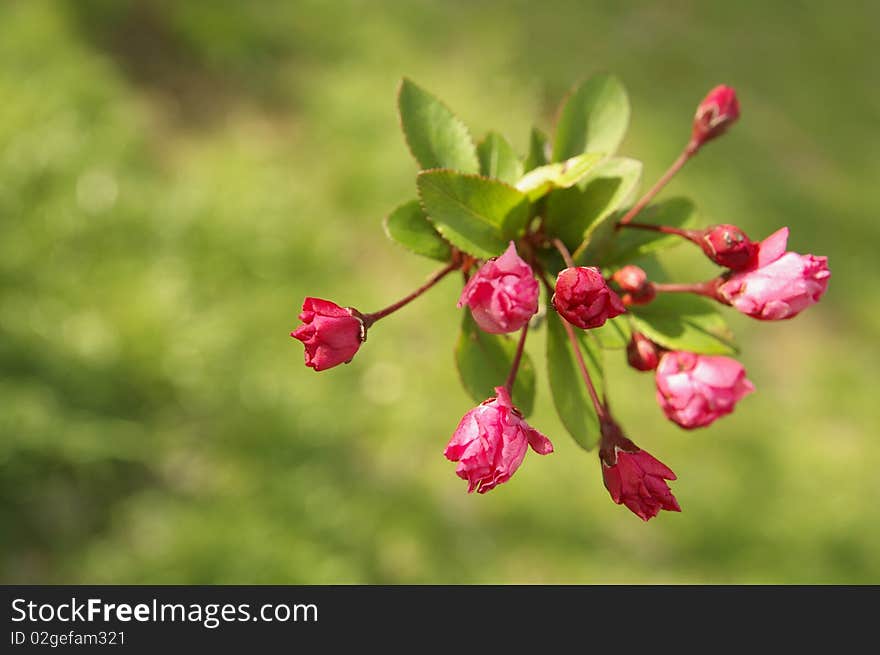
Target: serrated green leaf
484 361
540 181
409 226
567 386
575 215
436 137
538 149
476 214
629 243
498 159
594 118
615 334
681 321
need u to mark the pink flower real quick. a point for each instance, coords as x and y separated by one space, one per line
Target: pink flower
491 442
780 285
503 294
636 479
728 246
584 299
718 111
330 333
694 390
641 353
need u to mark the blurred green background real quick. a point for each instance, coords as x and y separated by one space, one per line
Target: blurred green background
176 176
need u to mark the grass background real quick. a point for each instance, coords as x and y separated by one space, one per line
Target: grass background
175 177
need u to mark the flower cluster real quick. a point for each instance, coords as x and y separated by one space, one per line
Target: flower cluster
511 226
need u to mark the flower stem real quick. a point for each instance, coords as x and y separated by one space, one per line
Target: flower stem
601 411
517 358
665 229
708 289
369 319
566 255
685 155
591 388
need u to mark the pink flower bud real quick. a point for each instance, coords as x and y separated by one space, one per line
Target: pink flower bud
694 390
503 294
728 246
780 285
636 479
584 299
330 333
715 114
633 281
641 353
491 442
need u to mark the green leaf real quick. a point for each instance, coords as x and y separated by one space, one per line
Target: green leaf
651 265
408 226
540 181
551 261
478 215
615 334
593 119
577 214
538 148
498 159
567 386
436 137
484 361
680 321
630 243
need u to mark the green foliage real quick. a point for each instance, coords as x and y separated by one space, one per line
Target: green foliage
408 226
570 395
484 360
479 215
498 159
594 118
607 190
681 321
580 214
436 136
629 244
615 334
540 181
539 145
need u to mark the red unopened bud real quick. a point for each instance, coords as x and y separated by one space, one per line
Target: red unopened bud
330 333
633 282
584 299
641 353
728 246
715 114
633 477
